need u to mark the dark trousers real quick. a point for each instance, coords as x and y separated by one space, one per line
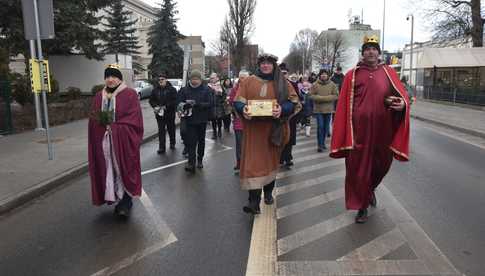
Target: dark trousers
227 122
323 127
239 135
286 155
255 195
165 124
195 140
216 126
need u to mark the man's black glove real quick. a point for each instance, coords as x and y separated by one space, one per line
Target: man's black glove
187 106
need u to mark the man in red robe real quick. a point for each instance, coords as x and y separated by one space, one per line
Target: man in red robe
115 134
371 127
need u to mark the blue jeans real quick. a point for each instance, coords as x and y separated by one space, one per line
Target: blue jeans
323 127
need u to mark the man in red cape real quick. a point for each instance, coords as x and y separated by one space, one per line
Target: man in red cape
115 134
371 127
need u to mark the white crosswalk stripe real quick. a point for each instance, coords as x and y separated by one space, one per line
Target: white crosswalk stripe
312 233
309 183
369 258
378 247
327 164
308 203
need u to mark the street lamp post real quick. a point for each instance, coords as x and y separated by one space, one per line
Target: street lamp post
411 49
383 25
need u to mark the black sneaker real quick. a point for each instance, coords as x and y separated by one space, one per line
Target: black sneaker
200 165
123 208
373 200
252 208
172 146
190 168
161 151
361 216
268 200
320 150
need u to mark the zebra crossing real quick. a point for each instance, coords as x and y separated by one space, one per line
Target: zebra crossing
308 231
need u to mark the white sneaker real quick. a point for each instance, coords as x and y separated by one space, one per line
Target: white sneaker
307 131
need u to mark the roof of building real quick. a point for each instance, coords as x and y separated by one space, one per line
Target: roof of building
452 57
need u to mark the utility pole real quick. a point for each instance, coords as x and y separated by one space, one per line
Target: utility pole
44 88
411 50
383 26
229 61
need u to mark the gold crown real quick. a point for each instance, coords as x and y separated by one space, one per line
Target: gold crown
371 39
113 65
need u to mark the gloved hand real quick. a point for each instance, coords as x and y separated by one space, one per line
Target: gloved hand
187 106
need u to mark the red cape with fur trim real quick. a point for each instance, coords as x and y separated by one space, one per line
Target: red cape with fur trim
342 134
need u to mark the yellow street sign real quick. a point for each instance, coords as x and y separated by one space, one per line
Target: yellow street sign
37 81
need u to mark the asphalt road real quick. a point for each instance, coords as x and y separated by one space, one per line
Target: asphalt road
194 225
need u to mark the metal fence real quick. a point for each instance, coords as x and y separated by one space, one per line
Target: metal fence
454 94
5 111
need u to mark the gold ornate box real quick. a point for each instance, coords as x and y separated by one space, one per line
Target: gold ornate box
261 108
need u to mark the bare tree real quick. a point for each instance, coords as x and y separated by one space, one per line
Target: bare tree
337 48
330 48
452 19
303 42
294 59
238 27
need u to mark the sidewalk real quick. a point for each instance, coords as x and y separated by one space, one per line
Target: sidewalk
26 172
466 120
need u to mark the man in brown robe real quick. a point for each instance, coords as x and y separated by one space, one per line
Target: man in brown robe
371 127
264 137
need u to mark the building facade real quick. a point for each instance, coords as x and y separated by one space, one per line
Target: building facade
453 71
145 16
196 52
352 43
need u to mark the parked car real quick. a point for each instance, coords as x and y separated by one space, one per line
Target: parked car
177 83
143 88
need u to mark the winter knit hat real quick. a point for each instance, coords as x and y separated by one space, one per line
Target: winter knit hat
195 74
283 67
322 71
113 70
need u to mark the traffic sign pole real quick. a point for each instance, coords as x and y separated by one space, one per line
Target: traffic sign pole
38 117
44 88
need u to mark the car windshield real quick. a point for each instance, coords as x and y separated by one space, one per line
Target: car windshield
174 82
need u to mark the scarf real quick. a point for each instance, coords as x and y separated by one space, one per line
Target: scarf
281 90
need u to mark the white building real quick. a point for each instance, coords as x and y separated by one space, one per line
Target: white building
353 39
419 48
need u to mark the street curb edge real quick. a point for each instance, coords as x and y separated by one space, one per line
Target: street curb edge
11 203
465 130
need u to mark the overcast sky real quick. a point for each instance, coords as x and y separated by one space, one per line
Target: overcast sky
277 21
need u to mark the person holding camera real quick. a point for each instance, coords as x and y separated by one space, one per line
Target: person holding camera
195 102
164 102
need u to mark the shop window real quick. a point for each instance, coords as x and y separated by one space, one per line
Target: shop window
465 77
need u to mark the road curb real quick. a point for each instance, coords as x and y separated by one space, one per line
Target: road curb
13 202
461 129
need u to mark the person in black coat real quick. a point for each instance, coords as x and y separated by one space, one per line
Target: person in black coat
196 102
164 103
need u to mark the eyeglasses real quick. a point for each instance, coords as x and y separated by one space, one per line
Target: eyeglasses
162 79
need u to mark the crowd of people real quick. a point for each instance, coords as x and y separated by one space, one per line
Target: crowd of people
365 112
